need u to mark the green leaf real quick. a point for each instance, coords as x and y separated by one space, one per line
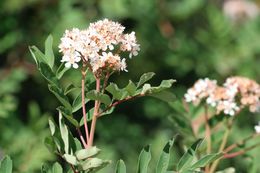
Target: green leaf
37 55
164 96
77 103
130 88
204 161
67 114
117 93
49 55
109 111
148 90
6 165
60 96
120 167
52 127
48 74
64 133
189 156
56 168
227 170
163 162
72 120
61 70
181 123
50 144
77 144
70 159
94 95
144 159
45 168
144 78
94 164
56 136
70 87
86 153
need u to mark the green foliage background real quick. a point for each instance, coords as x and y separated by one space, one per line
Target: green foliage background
184 40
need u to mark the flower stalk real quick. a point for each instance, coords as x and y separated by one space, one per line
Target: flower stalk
95 115
207 134
222 145
83 73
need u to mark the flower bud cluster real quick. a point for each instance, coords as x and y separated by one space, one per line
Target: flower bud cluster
98 46
235 94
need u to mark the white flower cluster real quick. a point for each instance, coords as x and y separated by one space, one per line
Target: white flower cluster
224 98
201 89
98 46
238 10
248 91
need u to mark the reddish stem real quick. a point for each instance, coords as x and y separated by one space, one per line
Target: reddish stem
231 147
232 155
83 102
105 82
82 138
73 169
207 135
118 102
94 118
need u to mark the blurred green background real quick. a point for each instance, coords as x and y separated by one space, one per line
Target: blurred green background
180 39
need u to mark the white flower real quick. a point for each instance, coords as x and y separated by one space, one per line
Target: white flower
200 90
190 95
123 65
229 107
129 43
71 60
257 127
211 101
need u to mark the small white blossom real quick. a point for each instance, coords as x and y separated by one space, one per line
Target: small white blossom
71 60
129 44
190 96
200 90
230 107
257 128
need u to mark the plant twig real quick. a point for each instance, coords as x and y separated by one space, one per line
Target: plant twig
105 82
94 118
82 138
207 134
243 141
83 102
119 102
73 168
232 155
222 145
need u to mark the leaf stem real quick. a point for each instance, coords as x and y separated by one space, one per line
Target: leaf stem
83 102
95 115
